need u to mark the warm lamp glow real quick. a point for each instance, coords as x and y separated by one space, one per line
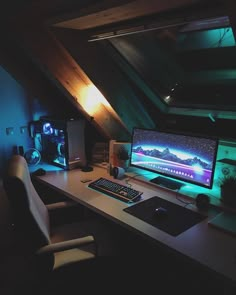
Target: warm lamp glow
94 92
91 99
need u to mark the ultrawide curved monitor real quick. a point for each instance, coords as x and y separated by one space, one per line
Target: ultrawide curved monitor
185 157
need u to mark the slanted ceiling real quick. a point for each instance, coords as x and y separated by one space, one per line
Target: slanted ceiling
54 34
110 12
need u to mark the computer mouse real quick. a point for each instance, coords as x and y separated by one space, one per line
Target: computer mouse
39 172
160 212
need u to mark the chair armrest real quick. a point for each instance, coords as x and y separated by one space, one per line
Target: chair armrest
61 205
66 245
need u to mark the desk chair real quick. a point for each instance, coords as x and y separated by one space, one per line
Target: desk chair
44 249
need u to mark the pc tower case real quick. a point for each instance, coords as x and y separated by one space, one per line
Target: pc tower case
63 142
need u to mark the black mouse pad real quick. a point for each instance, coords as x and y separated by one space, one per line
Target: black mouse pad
177 219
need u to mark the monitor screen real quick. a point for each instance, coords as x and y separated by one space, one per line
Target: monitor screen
183 157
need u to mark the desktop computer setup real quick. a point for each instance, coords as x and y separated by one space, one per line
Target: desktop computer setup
179 159
62 142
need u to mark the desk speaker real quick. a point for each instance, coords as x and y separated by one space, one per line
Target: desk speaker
202 202
118 172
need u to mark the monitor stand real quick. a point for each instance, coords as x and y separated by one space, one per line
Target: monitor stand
166 182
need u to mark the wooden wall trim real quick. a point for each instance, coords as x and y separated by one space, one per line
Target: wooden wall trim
105 13
110 77
62 69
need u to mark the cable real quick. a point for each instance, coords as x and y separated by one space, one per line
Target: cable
176 195
132 177
181 200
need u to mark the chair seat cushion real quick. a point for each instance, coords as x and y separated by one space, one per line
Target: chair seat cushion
68 257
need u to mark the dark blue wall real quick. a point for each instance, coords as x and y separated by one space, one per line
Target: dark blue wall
17 109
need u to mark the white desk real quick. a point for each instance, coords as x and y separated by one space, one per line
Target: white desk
210 247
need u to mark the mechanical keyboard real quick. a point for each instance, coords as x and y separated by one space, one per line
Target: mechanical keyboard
116 190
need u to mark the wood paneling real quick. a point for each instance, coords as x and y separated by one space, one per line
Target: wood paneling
63 71
104 14
109 77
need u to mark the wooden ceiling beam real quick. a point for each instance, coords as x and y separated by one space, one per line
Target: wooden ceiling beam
64 72
106 13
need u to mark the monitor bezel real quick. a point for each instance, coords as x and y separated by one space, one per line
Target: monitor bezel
174 177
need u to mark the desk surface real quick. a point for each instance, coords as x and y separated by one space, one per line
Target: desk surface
202 243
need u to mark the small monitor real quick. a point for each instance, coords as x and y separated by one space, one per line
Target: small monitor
188 158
